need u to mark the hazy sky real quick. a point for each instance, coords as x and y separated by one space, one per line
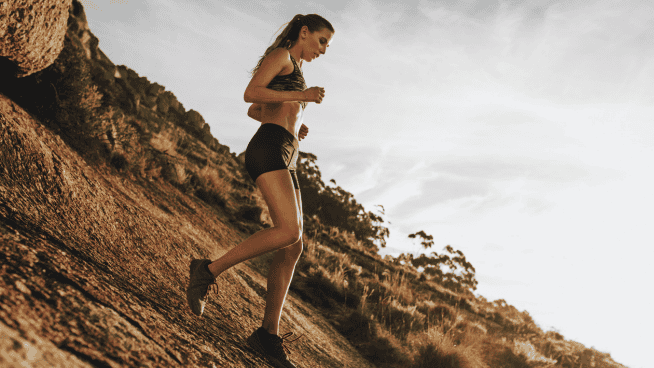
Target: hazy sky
519 132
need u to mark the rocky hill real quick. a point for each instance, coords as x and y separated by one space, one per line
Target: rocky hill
94 264
94 269
108 187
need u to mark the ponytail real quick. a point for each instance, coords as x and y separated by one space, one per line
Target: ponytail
290 35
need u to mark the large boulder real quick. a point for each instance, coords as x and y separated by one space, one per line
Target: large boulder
31 34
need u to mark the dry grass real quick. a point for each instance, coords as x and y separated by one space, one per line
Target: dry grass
527 349
395 329
215 179
338 276
399 286
439 346
164 142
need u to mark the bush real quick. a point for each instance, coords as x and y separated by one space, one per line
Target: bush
372 342
249 213
430 356
119 161
213 198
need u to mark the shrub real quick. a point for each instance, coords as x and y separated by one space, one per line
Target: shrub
249 213
400 319
430 356
118 160
372 341
438 346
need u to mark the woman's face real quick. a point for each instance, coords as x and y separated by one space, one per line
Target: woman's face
316 43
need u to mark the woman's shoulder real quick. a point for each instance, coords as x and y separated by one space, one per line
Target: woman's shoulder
279 54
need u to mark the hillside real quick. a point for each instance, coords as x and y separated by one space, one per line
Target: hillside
94 268
109 187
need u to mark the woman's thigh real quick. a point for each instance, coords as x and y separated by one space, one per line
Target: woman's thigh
282 200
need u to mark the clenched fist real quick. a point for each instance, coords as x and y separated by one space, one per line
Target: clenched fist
303 132
314 94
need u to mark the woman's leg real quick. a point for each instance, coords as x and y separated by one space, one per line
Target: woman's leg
279 279
278 192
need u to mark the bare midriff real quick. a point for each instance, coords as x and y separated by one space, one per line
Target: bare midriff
286 114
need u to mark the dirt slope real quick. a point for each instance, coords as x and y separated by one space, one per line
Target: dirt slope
94 269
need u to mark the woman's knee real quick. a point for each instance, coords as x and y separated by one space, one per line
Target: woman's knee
292 234
294 250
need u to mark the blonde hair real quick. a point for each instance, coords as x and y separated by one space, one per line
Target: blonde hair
289 36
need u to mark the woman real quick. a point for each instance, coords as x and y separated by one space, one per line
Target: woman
279 96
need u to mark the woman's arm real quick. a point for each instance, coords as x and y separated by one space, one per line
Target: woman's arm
255 111
273 64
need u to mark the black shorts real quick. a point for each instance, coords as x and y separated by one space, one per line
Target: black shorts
272 148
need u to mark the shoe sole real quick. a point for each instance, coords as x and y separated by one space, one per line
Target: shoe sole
254 342
194 265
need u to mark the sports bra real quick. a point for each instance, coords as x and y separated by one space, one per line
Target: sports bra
289 82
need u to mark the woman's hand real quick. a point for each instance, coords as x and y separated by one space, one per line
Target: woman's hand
314 94
303 132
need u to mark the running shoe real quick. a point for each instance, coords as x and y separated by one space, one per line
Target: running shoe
198 285
272 347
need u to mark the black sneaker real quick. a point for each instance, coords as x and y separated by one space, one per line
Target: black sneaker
198 285
272 347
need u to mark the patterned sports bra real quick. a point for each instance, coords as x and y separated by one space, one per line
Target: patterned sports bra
289 82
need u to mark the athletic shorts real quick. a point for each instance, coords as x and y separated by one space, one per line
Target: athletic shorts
272 148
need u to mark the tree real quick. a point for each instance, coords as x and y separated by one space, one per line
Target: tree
451 270
427 240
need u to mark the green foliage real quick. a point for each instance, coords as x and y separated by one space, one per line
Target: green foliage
337 207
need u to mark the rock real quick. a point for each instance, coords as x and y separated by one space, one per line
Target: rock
241 157
131 74
20 286
174 104
79 26
163 104
32 33
206 129
130 100
167 101
121 72
194 121
102 76
155 89
150 101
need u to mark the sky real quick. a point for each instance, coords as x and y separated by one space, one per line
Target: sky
519 132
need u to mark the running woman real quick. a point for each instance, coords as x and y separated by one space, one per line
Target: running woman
279 96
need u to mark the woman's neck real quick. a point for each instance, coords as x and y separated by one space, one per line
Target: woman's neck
296 53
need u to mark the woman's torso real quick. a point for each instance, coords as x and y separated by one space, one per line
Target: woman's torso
287 114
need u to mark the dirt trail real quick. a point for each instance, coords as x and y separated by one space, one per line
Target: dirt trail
94 269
